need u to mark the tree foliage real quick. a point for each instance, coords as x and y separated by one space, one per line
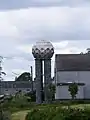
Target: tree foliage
88 50
24 77
52 90
32 95
73 89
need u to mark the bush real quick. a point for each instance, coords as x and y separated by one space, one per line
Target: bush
5 115
17 103
57 113
73 89
32 95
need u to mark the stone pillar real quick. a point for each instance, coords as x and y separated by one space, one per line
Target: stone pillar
38 85
47 77
42 80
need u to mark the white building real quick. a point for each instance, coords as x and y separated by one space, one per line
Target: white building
72 68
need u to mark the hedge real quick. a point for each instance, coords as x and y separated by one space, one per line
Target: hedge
57 113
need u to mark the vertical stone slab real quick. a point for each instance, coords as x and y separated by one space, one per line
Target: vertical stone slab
42 79
47 77
38 81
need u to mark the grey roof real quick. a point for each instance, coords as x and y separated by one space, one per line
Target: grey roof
72 62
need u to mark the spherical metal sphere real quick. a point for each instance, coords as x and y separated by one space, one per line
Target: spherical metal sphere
43 49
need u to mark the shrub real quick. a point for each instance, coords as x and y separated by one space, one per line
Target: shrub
28 99
32 96
58 113
5 115
73 89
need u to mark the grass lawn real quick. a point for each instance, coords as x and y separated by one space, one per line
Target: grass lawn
19 115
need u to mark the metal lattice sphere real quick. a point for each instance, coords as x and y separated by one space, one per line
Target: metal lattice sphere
43 49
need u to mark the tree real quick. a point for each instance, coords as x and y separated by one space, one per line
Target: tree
24 77
51 89
4 115
81 53
31 95
73 89
88 50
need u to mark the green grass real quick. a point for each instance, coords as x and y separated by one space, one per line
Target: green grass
21 114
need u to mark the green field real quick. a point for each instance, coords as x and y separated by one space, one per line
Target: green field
21 114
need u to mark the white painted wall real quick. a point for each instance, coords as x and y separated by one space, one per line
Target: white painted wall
73 76
62 93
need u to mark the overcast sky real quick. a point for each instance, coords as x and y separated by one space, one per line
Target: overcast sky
66 23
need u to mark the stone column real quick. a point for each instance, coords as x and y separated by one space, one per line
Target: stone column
42 80
38 81
47 77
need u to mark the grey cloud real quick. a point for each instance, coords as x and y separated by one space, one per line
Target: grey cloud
35 24
75 26
83 44
17 4
57 34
